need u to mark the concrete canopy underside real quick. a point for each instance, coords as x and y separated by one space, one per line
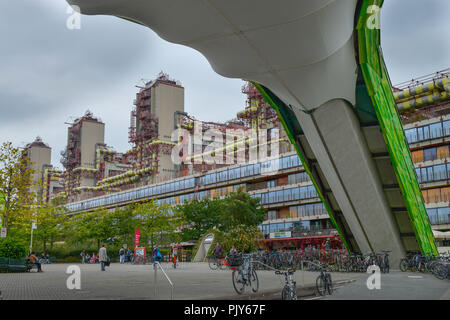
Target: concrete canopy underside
304 52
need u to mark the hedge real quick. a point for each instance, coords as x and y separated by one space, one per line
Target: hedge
10 248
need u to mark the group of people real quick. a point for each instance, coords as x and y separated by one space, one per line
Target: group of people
86 258
157 256
101 257
126 256
218 251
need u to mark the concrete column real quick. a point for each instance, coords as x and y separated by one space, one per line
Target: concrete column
336 139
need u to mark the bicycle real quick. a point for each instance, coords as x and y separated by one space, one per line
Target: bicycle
216 263
383 261
442 270
324 283
243 274
290 287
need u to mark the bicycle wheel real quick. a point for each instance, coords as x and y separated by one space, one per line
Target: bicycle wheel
254 281
212 262
293 292
238 282
329 284
320 285
285 293
404 265
440 271
421 267
289 293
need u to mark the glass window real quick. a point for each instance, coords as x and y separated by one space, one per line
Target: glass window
271 215
294 178
296 194
446 125
443 215
418 175
420 136
440 172
238 173
270 184
411 135
430 154
436 130
280 196
288 195
429 174
426 132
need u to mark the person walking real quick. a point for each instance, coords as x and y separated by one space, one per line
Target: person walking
218 251
176 248
83 256
122 255
103 257
157 256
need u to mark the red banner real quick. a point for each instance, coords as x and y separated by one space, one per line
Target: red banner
137 236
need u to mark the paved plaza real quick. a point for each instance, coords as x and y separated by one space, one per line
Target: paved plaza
195 281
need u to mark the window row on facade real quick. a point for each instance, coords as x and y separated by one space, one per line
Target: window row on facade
211 178
428 132
436 195
297 226
300 211
433 173
439 215
290 194
150 191
207 194
430 154
251 170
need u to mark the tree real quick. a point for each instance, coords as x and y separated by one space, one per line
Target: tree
125 223
244 238
15 186
158 223
200 216
238 208
50 222
98 225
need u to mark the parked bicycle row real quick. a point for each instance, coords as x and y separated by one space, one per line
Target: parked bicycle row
439 265
336 260
244 274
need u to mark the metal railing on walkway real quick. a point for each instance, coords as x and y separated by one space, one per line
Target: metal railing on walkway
156 264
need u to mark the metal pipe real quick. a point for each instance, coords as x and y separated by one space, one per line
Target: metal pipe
156 263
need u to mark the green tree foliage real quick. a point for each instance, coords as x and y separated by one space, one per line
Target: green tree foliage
50 222
160 224
238 208
235 220
244 238
16 187
200 216
125 223
98 225
11 248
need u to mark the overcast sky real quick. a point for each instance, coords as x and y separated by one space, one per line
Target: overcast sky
50 74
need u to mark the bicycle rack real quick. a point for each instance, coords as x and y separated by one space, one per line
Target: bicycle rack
156 264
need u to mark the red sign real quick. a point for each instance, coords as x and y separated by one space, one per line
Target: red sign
137 236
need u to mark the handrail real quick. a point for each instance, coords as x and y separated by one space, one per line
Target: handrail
167 277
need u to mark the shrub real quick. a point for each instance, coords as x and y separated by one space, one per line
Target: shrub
10 248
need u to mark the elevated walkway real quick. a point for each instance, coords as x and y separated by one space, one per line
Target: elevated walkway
320 65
